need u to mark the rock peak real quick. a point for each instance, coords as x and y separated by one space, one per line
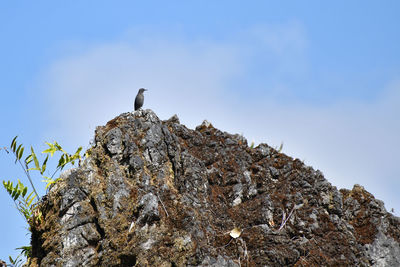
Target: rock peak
155 193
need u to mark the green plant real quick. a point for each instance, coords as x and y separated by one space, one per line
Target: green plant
25 202
18 261
252 144
65 159
280 148
18 151
26 251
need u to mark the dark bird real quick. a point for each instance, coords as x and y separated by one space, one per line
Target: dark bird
139 98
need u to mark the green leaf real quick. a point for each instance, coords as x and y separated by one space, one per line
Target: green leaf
52 149
59 148
17 153
49 181
46 151
22 187
24 191
88 153
78 151
14 194
29 199
14 143
48 184
28 159
37 166
26 251
61 162
8 186
44 165
21 152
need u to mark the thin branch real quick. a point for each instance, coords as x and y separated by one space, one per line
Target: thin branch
5 149
162 205
224 246
284 222
283 218
55 172
15 202
29 177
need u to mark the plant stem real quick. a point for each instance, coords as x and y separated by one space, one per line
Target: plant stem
29 177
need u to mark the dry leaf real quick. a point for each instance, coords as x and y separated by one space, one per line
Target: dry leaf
130 227
271 222
235 233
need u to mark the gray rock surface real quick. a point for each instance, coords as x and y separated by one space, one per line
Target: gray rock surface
155 193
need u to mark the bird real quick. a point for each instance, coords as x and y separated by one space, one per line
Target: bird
139 98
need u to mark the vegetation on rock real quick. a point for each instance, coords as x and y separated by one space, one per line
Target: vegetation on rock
155 193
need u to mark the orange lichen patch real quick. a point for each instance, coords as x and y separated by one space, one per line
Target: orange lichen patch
112 124
280 160
359 193
247 213
298 164
279 196
326 223
217 195
393 228
365 229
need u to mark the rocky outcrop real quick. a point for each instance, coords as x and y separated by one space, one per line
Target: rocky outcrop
155 193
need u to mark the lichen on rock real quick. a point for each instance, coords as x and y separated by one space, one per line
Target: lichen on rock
155 193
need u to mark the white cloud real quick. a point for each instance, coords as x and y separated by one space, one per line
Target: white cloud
350 142
89 89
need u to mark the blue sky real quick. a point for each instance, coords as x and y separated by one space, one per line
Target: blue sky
324 79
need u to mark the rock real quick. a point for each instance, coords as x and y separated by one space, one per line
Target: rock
148 209
173 119
155 193
114 141
219 262
384 251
